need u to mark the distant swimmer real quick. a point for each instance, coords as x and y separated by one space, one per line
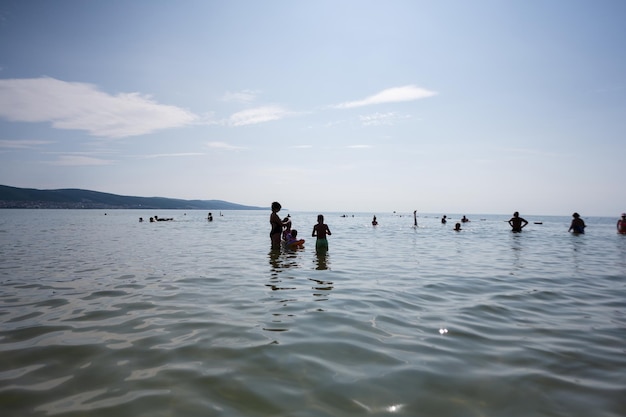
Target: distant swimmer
374 221
517 223
578 225
444 219
414 218
140 219
621 225
321 230
160 219
464 219
209 217
457 227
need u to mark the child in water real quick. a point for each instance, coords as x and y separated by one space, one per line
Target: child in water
321 230
293 241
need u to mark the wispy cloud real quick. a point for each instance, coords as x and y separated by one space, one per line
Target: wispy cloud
390 95
173 155
224 145
80 160
23 144
81 106
381 119
244 96
258 115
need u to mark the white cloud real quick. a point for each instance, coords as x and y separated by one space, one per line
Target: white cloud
81 106
258 115
244 96
23 144
390 95
223 145
80 160
379 119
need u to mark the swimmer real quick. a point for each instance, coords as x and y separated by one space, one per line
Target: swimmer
286 227
621 225
374 221
457 227
578 225
517 223
321 230
277 225
293 241
444 219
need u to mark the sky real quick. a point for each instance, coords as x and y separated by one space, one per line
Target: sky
346 106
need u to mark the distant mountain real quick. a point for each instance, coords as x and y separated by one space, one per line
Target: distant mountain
12 197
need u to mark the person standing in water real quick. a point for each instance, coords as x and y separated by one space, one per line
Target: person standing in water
517 223
621 225
578 225
277 225
320 230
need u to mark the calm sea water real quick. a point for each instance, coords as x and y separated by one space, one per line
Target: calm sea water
101 315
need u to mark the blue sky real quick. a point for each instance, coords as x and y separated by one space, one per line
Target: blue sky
374 106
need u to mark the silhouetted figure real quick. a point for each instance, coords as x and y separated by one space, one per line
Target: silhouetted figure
578 225
517 223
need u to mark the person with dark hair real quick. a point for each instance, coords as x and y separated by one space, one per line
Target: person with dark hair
321 230
578 225
517 223
277 225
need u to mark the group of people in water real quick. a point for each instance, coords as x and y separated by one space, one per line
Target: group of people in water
282 233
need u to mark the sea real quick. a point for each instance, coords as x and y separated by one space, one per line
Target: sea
103 315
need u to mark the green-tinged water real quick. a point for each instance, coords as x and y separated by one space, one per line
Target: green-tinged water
101 315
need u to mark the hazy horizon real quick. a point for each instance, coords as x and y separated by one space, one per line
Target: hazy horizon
464 107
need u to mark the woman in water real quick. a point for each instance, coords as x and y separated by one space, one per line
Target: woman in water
277 225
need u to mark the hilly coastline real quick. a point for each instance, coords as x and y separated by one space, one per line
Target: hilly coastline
13 197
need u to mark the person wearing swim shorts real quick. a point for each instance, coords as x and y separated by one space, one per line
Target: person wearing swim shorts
517 223
321 230
277 225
